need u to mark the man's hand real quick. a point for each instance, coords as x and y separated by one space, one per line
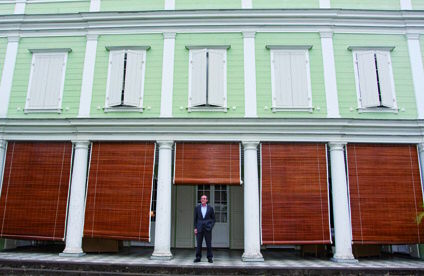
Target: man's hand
195 231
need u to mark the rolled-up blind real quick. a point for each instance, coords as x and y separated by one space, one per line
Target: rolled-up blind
294 194
119 191
207 163
385 194
35 189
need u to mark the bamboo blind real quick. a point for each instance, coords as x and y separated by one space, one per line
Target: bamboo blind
385 194
207 163
119 191
294 194
35 188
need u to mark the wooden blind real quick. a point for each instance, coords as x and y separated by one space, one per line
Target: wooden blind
119 191
207 163
385 194
35 189
294 194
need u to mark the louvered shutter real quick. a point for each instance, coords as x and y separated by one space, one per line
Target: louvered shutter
134 78
299 65
198 78
367 79
38 81
54 80
282 79
116 76
385 78
217 82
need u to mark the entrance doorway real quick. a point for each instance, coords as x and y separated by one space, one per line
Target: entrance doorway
218 199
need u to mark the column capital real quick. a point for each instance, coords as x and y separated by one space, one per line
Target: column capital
169 35
20 1
165 144
337 146
249 34
326 34
3 144
81 144
412 36
92 37
250 145
13 38
421 147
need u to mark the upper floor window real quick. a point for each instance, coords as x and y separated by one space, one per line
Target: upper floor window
46 82
374 79
125 84
290 77
208 79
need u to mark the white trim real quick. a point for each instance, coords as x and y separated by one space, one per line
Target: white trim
88 76
420 168
324 4
328 191
123 109
90 153
197 47
7 74
151 191
135 48
108 79
169 4
330 79
377 110
69 190
371 48
50 50
405 5
417 68
249 75
293 109
3 144
19 7
246 4
167 75
54 1
289 47
206 109
95 5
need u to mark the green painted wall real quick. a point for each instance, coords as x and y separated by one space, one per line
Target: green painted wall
153 76
131 5
285 4
418 4
73 78
63 7
263 73
235 73
208 4
7 8
3 46
366 4
404 88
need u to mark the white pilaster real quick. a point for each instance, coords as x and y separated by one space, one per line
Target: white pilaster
252 244
417 68
246 4
20 7
75 226
342 225
88 76
421 156
324 4
162 250
405 5
169 4
3 144
95 5
249 75
330 80
7 75
167 75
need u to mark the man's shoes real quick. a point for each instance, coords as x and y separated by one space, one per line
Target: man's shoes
197 260
210 260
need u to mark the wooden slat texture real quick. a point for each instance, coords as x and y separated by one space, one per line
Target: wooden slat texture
207 163
385 194
119 191
294 194
35 189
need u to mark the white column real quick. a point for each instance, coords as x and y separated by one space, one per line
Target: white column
75 226
324 4
249 75
88 76
167 74
7 75
252 244
162 249
20 7
405 5
169 4
330 80
246 4
95 5
415 57
3 144
342 226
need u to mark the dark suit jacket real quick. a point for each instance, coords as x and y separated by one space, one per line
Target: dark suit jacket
204 224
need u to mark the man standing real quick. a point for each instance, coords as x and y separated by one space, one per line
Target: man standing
204 220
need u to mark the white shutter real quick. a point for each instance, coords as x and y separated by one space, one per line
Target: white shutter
367 76
134 78
300 91
40 68
385 78
198 78
217 82
116 76
282 79
54 80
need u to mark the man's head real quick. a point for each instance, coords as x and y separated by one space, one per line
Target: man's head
204 199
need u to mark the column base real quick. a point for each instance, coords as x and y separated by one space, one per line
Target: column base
350 260
162 256
77 252
255 257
